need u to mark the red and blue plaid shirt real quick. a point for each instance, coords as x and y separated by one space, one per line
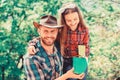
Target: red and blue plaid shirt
74 38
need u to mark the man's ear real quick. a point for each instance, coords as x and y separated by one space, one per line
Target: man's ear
37 25
38 30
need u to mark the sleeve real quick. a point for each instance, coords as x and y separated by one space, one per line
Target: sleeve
33 70
33 42
86 42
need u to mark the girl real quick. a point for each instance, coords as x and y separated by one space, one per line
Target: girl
74 33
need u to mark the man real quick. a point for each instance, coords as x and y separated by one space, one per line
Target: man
47 63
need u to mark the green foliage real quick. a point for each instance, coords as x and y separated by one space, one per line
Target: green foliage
16 29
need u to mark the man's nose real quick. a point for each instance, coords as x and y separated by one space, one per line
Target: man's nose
49 34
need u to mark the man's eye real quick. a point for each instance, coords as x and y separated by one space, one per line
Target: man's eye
45 31
52 31
75 19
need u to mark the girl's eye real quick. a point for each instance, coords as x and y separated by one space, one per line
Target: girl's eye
68 20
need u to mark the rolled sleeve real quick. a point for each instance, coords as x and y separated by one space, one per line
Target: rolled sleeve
33 70
86 42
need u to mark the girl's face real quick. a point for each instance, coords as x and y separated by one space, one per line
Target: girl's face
72 20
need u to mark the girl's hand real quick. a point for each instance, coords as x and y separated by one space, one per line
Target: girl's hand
31 50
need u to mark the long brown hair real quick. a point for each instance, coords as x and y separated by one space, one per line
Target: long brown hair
66 9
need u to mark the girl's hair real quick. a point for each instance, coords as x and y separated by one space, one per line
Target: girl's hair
66 9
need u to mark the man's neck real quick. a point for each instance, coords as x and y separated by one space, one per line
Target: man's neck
48 49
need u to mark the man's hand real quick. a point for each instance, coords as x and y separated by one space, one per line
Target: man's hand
71 74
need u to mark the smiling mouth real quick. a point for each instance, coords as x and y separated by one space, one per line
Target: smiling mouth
49 38
73 25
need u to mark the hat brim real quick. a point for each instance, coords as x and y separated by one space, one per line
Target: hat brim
37 25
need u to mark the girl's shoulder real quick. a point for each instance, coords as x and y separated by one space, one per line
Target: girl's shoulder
83 29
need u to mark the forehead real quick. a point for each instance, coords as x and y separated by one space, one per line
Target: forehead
71 15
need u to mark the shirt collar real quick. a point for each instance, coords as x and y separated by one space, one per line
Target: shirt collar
54 53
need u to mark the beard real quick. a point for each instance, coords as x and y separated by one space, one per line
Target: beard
48 41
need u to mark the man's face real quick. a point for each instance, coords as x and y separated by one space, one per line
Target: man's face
48 35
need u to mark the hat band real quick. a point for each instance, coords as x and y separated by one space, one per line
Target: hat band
48 24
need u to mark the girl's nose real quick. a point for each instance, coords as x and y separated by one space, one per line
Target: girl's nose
73 22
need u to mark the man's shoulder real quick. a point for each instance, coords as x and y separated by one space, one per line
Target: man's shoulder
33 57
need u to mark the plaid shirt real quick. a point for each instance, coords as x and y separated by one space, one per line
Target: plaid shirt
74 38
42 66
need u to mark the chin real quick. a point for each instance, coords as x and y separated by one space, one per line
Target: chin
49 43
73 29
